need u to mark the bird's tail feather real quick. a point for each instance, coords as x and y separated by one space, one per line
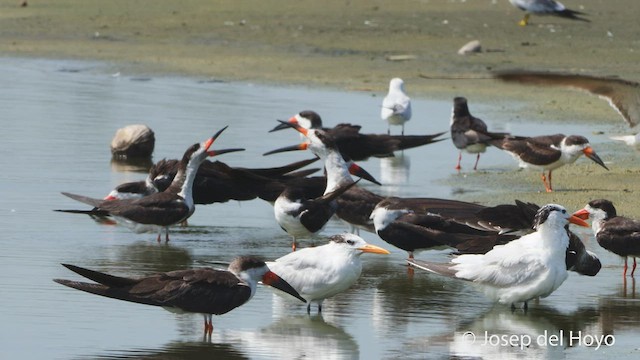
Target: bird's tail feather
84 199
436 268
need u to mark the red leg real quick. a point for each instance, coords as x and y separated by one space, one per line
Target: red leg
475 167
294 245
624 273
458 167
544 181
550 188
159 236
633 269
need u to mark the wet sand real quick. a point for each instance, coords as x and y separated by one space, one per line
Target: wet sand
354 45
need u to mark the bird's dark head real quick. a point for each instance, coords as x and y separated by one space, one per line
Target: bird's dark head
308 119
555 215
599 209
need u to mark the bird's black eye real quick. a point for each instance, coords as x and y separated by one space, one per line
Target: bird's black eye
564 211
350 242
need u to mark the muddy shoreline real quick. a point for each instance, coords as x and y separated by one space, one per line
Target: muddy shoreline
350 45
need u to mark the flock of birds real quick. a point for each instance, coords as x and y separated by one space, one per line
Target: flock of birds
513 252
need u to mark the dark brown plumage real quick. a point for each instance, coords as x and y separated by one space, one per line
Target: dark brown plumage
206 291
470 133
618 234
173 205
357 146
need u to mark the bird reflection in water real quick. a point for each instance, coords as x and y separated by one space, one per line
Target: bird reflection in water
394 171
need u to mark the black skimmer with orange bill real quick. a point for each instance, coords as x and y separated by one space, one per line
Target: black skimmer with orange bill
303 217
618 234
545 7
414 224
396 105
320 272
470 133
163 209
548 152
205 290
357 146
356 203
215 181
622 95
523 269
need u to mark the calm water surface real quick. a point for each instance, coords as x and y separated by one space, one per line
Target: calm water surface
57 121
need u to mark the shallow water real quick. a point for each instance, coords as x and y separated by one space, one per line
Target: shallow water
58 120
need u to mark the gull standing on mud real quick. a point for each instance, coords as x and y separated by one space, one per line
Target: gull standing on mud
396 106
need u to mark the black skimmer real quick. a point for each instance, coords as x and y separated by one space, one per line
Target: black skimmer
214 182
468 132
357 146
303 217
356 203
523 269
545 7
414 224
548 152
622 95
163 209
422 223
618 234
323 271
205 290
396 106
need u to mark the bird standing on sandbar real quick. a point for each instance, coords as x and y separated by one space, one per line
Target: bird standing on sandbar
548 152
468 132
618 234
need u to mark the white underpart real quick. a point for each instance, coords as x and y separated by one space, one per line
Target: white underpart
597 218
523 269
382 217
282 210
186 192
323 271
569 155
396 106
303 121
476 148
252 277
538 6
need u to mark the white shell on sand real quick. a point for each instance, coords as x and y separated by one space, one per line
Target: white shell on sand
470 47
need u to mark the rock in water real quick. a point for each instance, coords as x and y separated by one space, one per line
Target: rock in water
133 141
